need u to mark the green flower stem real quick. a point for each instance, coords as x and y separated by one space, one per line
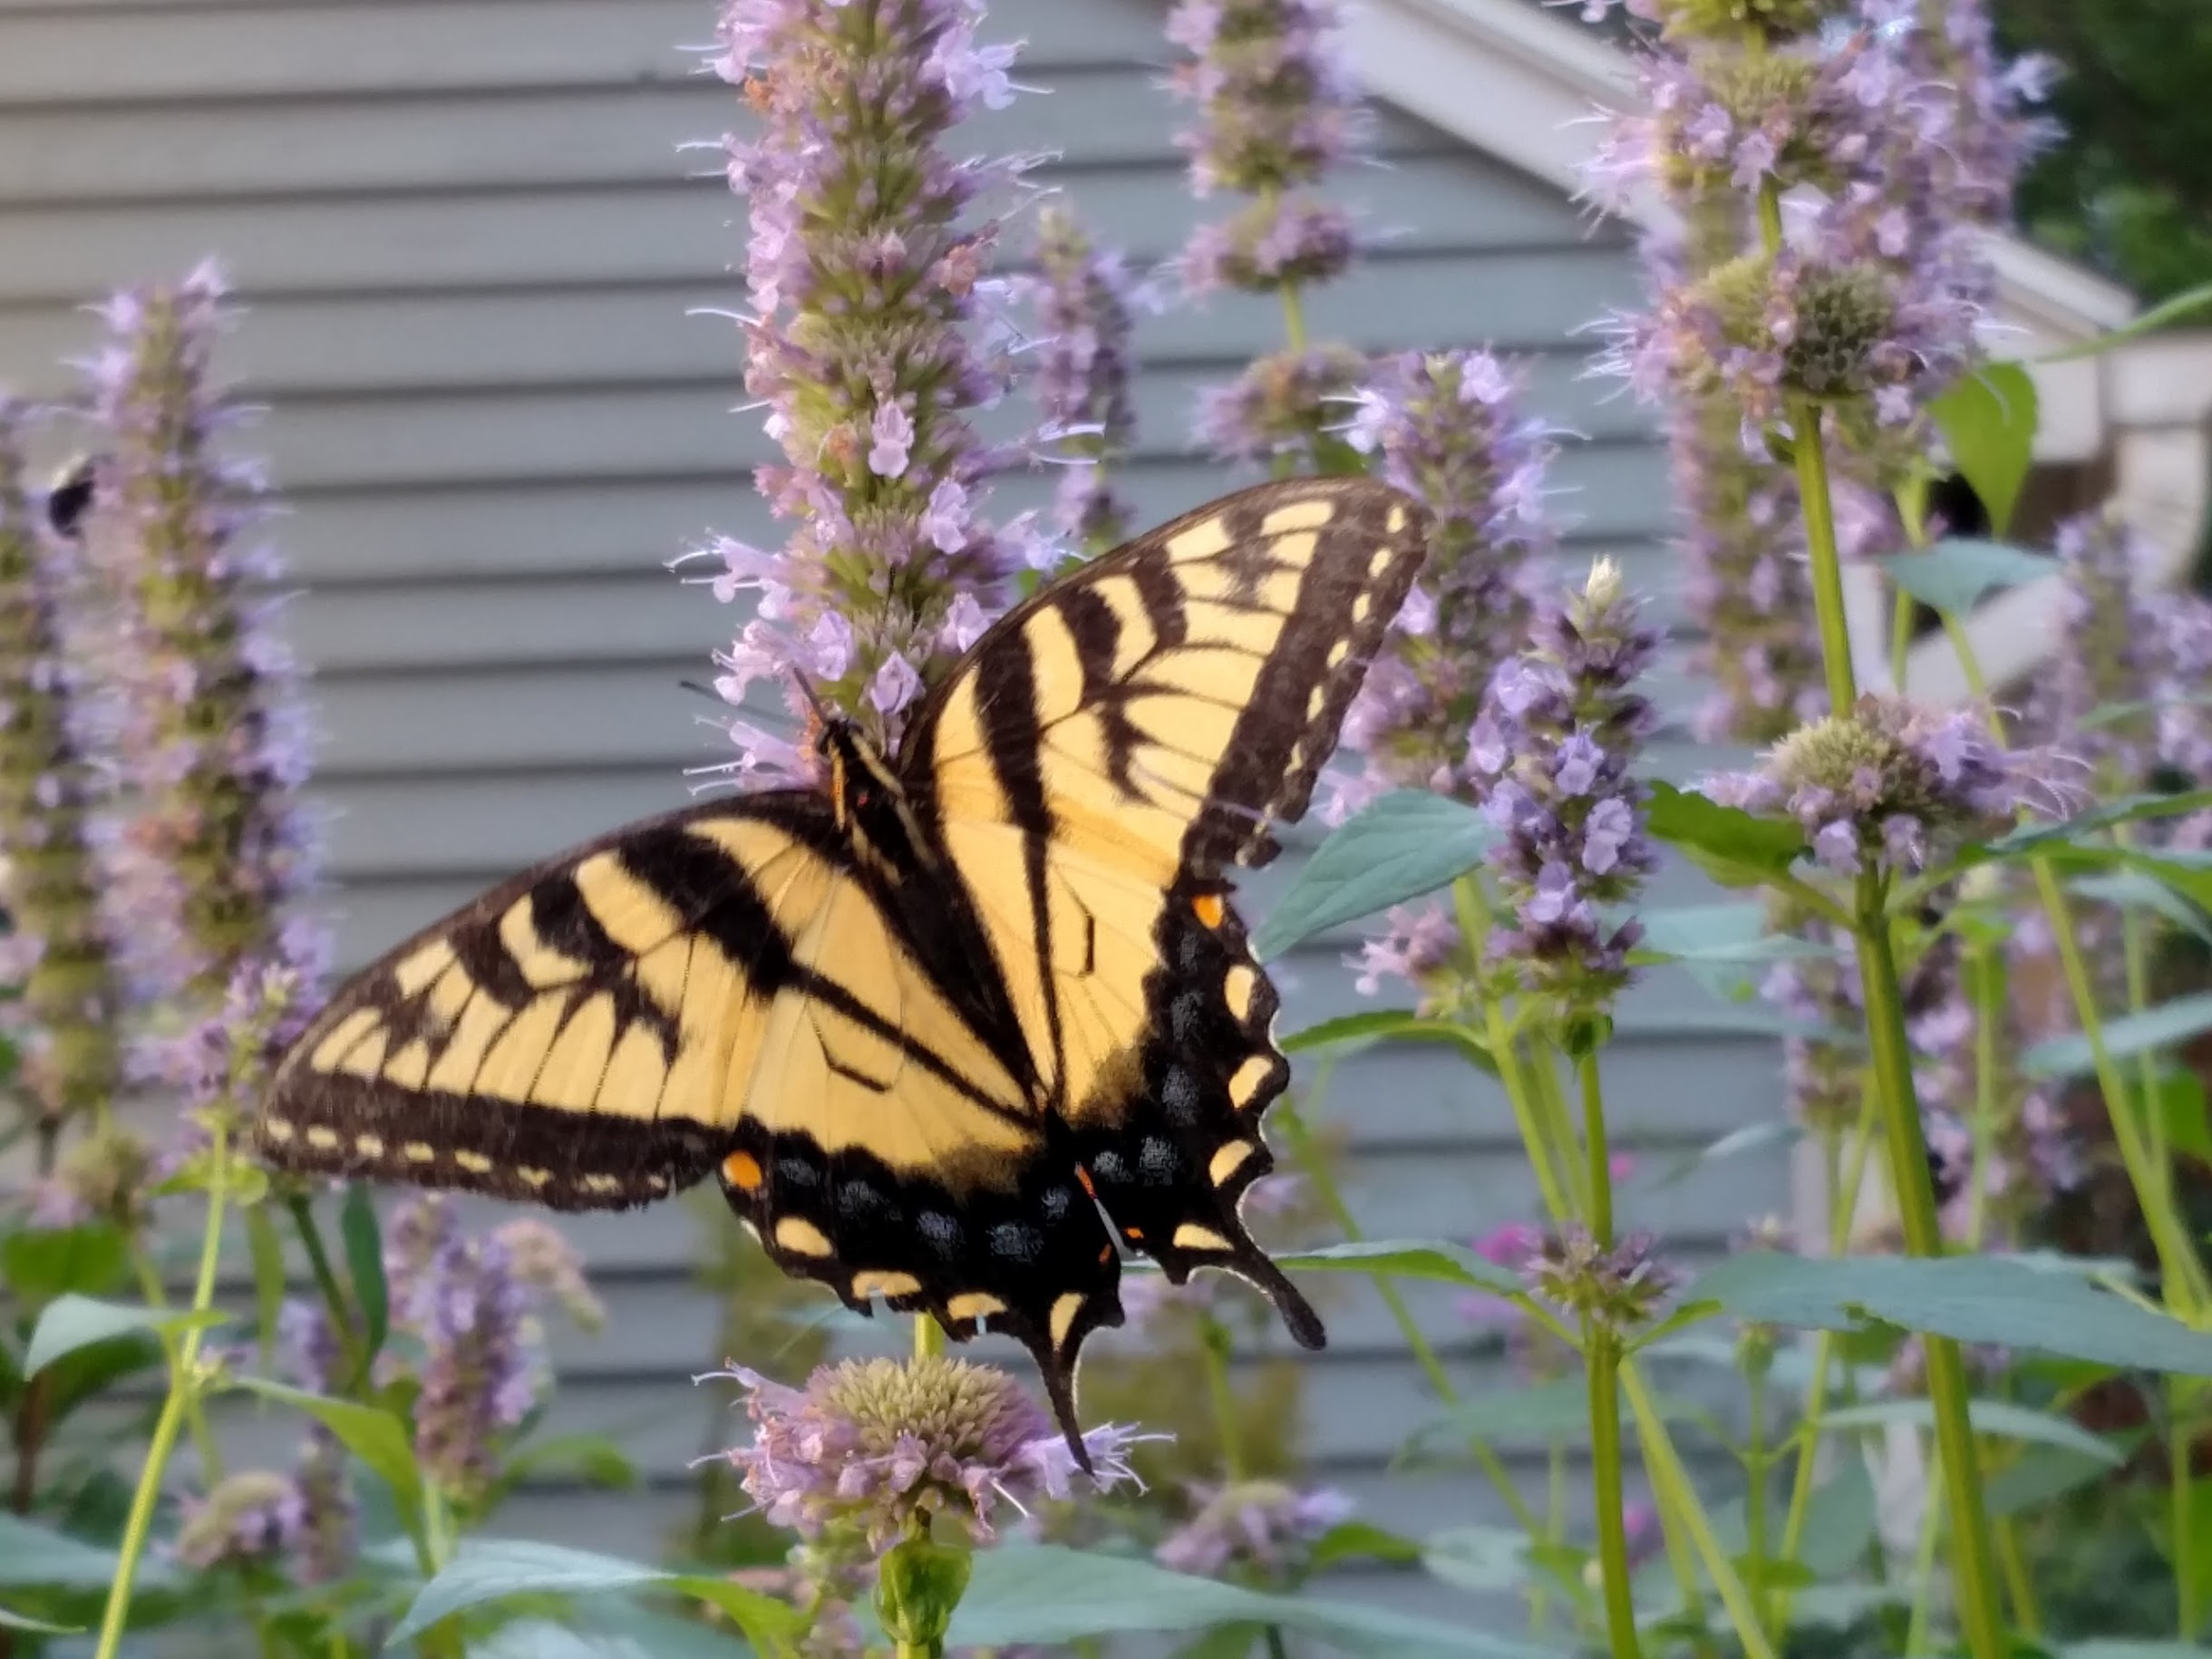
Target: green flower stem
1915 1196
2018 1583
2187 1292
1811 455
1214 1346
1558 1127
1758 1461
1316 1169
353 1363
1601 1360
1595 1148
2188 1555
195 1411
182 1400
1671 1486
1472 909
1986 978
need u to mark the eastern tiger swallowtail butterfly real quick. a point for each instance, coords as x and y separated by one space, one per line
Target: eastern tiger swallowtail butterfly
950 1025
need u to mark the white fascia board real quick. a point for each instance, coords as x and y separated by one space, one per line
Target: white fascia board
1531 89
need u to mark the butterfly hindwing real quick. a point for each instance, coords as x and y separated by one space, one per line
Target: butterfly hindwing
1092 767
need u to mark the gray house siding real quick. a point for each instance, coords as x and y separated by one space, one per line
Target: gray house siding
468 245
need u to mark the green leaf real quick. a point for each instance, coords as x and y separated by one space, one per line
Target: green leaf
40 1265
1401 846
37 1627
1996 1300
362 1239
594 1457
31 1554
2164 1027
1482 1559
1382 1023
2181 1108
1409 1260
2000 1418
2037 1476
1749 1138
1037 1593
2179 308
72 1321
1988 422
267 1253
1735 847
1359 1540
1953 576
2116 1647
2138 889
379 1438
487 1569
2088 826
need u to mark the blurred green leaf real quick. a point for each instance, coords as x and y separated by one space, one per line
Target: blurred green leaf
1380 1024
1544 1413
1735 847
2090 826
380 1439
1409 1260
2038 1475
1483 1559
2000 1418
1988 422
1401 846
1359 1540
41 1264
31 1554
71 1322
491 1569
2138 889
593 1457
37 1627
2002 1301
267 1252
1953 576
1035 1593
2165 1026
363 1237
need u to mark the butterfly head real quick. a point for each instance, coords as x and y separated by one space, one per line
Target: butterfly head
869 802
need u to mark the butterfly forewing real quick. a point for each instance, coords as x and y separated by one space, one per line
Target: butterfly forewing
1092 768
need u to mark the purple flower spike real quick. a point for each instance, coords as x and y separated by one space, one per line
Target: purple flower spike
873 1446
878 336
58 951
1555 739
1085 300
206 719
1448 428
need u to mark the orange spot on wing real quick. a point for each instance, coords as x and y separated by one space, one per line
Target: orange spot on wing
742 1171
1105 1255
1083 1177
1210 909
1136 1234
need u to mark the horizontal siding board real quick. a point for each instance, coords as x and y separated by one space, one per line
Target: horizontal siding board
677 231
627 338
470 140
206 54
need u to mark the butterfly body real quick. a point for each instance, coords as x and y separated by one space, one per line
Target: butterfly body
954 1027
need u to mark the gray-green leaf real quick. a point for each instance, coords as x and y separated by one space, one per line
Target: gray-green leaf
1952 576
1401 846
71 1322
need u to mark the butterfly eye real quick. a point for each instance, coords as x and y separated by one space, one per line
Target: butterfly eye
863 797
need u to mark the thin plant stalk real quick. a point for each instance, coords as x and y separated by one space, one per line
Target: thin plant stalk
1601 1359
1316 1169
1472 907
1214 1346
1909 1179
182 1397
353 1363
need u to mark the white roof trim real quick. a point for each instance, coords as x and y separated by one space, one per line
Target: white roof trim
1528 87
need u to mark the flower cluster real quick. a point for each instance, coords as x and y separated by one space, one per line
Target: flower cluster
205 721
1085 301
869 285
1552 748
1266 1525
58 950
870 1451
467 1302
2096 697
1447 428
1276 110
252 1517
1619 1286
1890 783
1830 169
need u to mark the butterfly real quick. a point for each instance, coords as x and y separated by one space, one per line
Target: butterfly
953 1026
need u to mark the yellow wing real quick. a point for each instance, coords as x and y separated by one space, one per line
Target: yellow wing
722 990
1092 770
